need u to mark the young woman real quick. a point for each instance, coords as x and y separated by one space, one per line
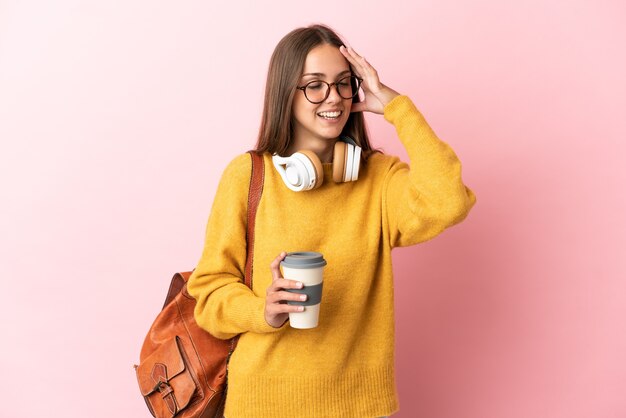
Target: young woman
353 205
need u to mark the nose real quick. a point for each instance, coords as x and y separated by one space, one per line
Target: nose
333 95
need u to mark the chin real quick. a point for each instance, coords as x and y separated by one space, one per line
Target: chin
331 135
333 132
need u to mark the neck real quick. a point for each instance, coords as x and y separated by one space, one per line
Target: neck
323 148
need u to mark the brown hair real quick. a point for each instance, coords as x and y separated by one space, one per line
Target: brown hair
285 70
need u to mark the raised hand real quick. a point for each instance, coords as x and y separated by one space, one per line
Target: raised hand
377 95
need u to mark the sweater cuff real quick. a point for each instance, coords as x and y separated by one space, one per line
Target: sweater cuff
258 324
399 107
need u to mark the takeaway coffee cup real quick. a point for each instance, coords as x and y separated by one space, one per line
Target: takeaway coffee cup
306 267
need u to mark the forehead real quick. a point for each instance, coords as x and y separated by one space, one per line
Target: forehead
325 59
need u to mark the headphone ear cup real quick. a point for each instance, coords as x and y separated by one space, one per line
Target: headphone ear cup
350 151
317 167
340 157
356 163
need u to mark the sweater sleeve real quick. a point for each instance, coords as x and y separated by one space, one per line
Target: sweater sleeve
225 306
422 200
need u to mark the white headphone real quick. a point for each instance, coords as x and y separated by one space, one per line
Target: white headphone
304 169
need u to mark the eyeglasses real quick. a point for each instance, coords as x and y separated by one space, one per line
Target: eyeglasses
317 91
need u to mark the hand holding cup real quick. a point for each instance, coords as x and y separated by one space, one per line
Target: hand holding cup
276 308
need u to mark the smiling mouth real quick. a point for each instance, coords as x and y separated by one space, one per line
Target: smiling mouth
330 115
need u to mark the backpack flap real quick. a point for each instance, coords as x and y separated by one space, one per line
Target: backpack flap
165 380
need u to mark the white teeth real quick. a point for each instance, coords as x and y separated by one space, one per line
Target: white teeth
330 115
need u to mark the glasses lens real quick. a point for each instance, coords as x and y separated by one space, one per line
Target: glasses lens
316 91
348 87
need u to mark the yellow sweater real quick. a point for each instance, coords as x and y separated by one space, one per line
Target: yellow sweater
345 366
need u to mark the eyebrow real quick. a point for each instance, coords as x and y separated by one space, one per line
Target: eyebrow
322 74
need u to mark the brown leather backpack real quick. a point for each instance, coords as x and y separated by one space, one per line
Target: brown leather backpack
183 369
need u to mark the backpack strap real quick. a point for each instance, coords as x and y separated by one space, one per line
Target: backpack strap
254 197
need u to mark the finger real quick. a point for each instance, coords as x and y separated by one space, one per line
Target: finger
283 297
283 308
361 65
361 61
275 266
350 53
344 50
288 296
356 67
286 284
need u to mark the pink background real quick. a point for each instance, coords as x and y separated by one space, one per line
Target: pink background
117 119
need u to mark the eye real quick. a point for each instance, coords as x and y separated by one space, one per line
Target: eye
346 79
316 85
